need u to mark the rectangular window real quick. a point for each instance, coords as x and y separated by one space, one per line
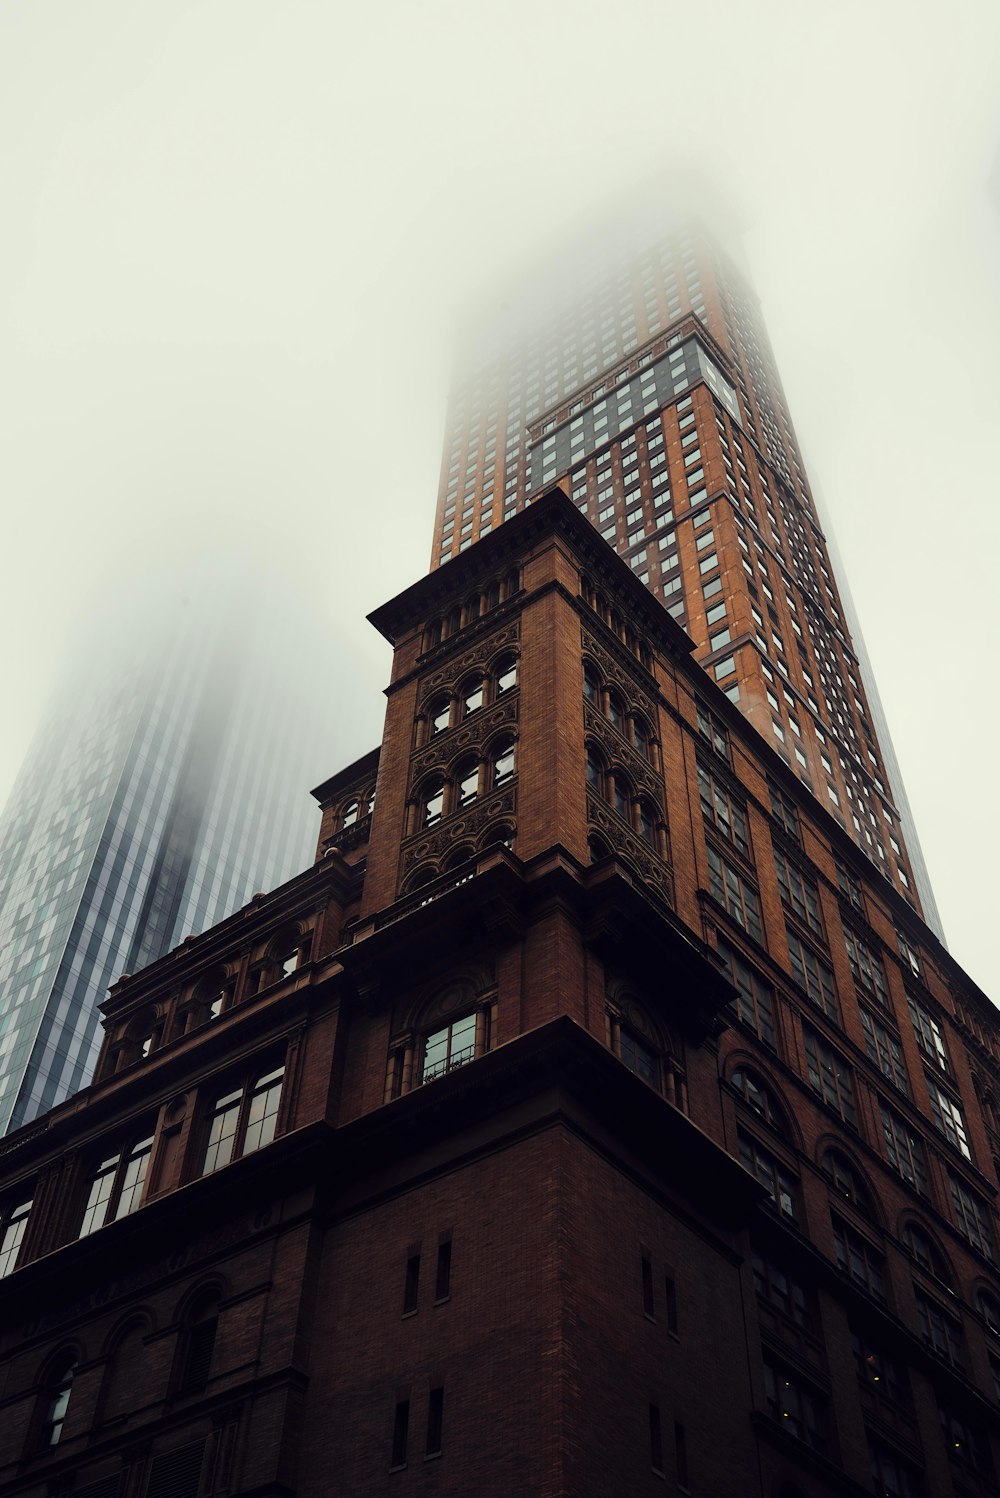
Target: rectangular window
442 1279
904 1150
243 1120
116 1188
972 1216
880 1375
891 1475
798 893
929 1035
857 1258
400 1430
884 1049
940 1331
829 1076
781 1187
781 1291
866 968
813 975
411 1285
722 810
435 1422
948 1117
13 1221
713 731
680 1455
655 1439
670 1294
801 1412
967 1444
784 811
647 1287
756 998
735 893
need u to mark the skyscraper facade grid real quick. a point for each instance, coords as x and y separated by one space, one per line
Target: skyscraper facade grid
636 372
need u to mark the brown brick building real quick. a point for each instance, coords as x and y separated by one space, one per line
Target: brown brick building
592 1116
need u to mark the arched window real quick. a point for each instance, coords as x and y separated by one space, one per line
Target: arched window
458 856
13 1221
433 802
371 802
142 1034
645 820
499 836
467 782
636 1053
642 737
621 794
352 811
439 715
616 710
597 848
472 696
920 1247
432 634
758 1097
506 675
473 608
503 763
846 1181
56 1396
213 994
591 683
288 951
197 1344
595 768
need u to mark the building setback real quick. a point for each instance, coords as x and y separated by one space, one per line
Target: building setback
590 1116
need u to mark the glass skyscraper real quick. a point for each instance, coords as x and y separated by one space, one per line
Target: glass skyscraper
167 784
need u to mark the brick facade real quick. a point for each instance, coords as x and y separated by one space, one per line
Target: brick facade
590 1115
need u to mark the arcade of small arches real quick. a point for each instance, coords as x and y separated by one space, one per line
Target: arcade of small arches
627 721
477 690
486 598
214 992
615 786
444 793
595 600
499 834
355 810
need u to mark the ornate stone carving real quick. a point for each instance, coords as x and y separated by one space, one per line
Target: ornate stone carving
480 653
465 826
470 735
620 750
624 841
614 671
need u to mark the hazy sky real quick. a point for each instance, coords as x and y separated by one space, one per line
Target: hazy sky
240 239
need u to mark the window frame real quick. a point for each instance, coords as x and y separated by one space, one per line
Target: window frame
243 1091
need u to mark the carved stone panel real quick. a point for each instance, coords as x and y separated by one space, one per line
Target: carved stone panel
618 749
470 735
479 654
468 826
618 675
622 840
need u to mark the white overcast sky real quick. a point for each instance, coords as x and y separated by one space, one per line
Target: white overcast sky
240 238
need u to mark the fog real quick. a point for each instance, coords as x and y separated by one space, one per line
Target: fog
243 240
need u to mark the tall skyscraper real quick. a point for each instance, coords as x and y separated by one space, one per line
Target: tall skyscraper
591 1115
637 373
166 785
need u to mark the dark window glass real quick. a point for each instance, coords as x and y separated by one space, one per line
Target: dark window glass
798 893
813 975
411 1284
857 1257
756 1001
735 893
829 1076
435 1422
